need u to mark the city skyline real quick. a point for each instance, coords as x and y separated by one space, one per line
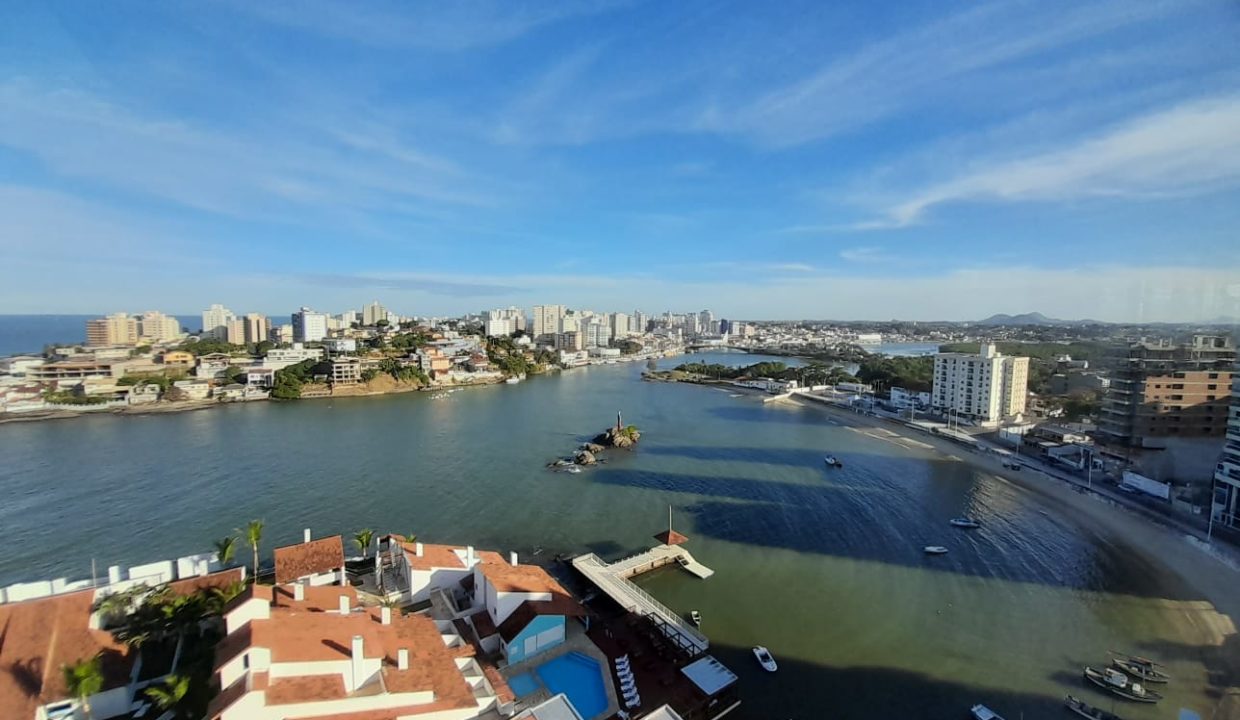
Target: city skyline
791 162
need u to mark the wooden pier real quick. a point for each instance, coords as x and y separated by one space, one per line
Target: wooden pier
613 579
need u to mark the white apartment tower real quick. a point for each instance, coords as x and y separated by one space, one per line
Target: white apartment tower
986 388
619 325
373 313
309 326
215 321
1227 473
547 320
157 327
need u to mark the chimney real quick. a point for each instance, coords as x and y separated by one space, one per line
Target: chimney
344 604
402 659
512 558
359 659
299 592
305 535
386 615
469 556
417 549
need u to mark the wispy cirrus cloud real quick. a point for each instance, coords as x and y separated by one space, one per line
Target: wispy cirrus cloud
429 26
421 283
1190 148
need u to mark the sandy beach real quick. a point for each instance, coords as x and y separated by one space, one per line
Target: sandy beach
1212 574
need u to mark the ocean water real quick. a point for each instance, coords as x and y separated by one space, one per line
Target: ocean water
823 566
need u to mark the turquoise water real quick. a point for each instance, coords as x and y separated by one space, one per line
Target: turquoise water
580 678
523 684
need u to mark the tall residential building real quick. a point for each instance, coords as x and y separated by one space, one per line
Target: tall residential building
157 327
373 313
309 326
235 331
215 321
346 319
596 333
257 328
639 321
115 329
547 320
619 325
1163 390
1227 473
986 388
281 334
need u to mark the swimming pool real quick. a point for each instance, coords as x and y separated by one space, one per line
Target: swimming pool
580 678
523 685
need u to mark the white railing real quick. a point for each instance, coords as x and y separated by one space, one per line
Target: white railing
607 574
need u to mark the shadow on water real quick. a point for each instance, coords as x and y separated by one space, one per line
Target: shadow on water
765 456
757 412
885 523
1222 662
803 691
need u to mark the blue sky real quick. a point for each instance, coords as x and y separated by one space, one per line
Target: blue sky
917 160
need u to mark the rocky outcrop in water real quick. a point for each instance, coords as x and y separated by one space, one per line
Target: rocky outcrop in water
618 437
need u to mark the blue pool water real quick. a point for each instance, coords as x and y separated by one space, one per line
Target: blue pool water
523 685
580 678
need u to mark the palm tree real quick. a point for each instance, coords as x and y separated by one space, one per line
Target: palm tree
171 695
363 538
226 549
83 679
253 535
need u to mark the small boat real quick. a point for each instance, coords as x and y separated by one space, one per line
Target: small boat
764 657
981 712
696 617
1088 711
1140 667
964 522
1118 684
935 550
513 380
574 469
832 461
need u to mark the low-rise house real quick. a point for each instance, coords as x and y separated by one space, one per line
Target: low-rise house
263 377
190 390
346 371
434 362
280 358
312 652
904 399
178 358
143 394
22 397
19 365
312 562
213 365
347 345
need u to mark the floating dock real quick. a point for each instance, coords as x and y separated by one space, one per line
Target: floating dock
613 579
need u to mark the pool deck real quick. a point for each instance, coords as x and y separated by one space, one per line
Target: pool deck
613 579
576 641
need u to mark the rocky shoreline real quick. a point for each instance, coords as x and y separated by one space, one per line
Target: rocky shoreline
619 436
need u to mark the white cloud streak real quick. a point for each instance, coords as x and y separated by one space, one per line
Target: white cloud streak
1187 149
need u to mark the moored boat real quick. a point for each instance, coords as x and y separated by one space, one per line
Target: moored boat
765 658
1088 711
1118 683
981 712
964 522
832 461
696 617
1139 667
935 550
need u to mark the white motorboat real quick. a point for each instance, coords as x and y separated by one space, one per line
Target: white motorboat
964 522
513 380
572 469
696 617
981 712
935 550
832 461
765 658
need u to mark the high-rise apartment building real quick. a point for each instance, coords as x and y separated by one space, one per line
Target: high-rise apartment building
281 334
235 331
638 322
309 326
986 388
619 325
256 328
596 333
503 321
373 313
115 329
215 321
1227 473
547 320
1169 390
156 327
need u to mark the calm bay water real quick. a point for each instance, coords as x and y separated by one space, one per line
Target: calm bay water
825 568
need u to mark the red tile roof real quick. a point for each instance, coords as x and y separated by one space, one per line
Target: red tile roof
311 558
444 556
671 537
220 579
530 609
521 578
38 637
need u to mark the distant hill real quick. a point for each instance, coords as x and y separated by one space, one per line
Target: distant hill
1033 318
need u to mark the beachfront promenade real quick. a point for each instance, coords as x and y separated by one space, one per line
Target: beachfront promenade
613 579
